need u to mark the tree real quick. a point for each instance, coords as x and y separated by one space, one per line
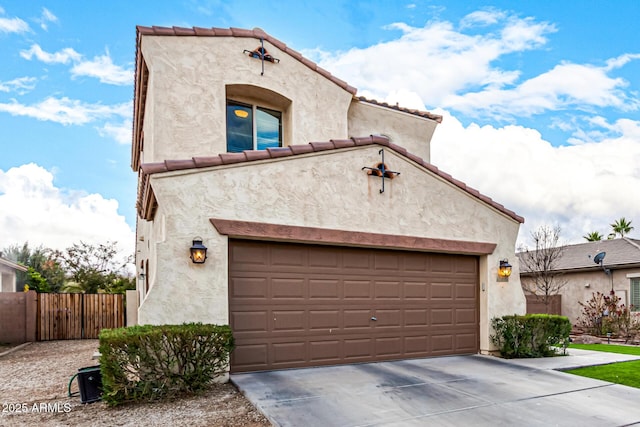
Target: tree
39 259
539 266
594 236
621 227
35 281
94 268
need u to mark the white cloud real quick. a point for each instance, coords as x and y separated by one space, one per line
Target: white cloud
46 18
20 84
63 56
33 209
100 67
66 111
438 59
565 86
121 132
12 25
582 188
481 18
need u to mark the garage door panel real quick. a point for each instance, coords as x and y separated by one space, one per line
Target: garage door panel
356 319
325 351
358 289
442 317
388 290
316 307
247 356
324 258
465 291
416 345
388 346
442 343
466 316
288 256
289 320
288 288
440 291
250 321
416 290
389 318
325 289
386 261
288 353
324 319
248 287
354 260
358 348
466 342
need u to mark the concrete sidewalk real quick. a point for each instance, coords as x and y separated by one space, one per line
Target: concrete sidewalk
445 391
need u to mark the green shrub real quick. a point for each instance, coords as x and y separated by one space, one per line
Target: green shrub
144 363
531 335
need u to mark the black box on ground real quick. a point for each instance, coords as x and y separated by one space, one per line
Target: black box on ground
90 384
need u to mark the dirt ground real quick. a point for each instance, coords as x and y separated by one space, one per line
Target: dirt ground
34 392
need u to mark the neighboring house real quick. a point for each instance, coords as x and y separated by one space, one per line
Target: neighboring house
619 271
331 237
8 275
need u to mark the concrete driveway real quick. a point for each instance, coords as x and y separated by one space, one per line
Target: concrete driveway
445 391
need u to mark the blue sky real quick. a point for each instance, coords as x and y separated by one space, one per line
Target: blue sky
540 100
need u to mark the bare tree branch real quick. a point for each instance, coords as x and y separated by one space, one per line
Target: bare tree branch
539 265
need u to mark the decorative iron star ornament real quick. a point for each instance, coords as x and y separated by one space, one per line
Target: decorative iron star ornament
381 170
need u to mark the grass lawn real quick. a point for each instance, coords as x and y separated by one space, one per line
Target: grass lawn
609 348
625 373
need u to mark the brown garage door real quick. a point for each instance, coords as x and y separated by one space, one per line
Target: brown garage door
295 305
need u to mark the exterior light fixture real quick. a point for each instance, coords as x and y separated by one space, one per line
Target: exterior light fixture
504 271
198 251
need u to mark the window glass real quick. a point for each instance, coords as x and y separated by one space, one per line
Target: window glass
239 127
269 128
635 294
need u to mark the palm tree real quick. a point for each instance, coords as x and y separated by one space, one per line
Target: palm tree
621 227
594 236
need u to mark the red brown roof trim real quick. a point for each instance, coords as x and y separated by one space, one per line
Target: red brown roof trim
148 169
420 113
327 236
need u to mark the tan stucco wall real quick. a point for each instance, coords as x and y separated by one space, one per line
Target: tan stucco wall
410 131
327 190
576 289
186 97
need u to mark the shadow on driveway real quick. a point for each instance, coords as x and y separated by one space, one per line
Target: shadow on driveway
445 391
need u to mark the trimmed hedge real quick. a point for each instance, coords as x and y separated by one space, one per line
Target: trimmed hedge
531 335
145 363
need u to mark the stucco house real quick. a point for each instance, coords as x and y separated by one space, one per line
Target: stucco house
330 236
583 274
8 275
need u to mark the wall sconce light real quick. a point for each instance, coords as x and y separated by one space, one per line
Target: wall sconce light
504 271
198 251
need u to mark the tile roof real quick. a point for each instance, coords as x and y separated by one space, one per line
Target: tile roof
623 252
425 114
146 202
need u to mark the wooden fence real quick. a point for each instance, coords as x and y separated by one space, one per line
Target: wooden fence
536 305
78 316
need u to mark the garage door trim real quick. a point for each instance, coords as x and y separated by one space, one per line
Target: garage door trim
290 233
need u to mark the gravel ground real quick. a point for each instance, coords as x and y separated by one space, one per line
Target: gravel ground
34 392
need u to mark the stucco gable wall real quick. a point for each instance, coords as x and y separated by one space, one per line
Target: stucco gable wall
187 89
410 131
318 190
